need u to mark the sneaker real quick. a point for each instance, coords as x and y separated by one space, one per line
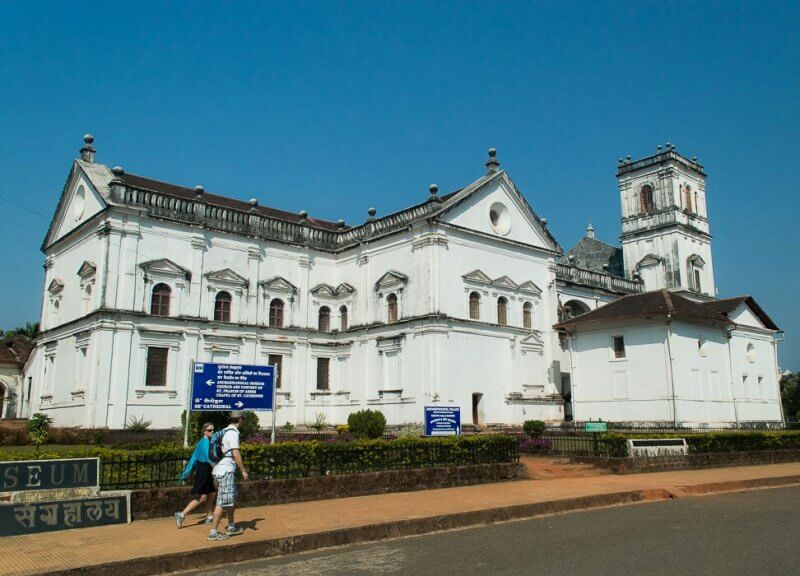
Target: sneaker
215 536
179 519
208 520
234 530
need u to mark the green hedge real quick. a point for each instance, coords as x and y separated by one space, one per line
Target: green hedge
162 464
733 441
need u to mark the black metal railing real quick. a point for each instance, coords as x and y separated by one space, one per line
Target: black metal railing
297 461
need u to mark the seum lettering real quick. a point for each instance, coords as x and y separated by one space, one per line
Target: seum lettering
48 474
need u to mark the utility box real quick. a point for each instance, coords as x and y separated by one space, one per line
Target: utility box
653 447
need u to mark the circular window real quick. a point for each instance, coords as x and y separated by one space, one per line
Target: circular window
79 203
500 218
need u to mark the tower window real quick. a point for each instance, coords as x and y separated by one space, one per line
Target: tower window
687 195
323 373
391 309
156 366
619 347
159 302
276 313
343 318
646 199
527 315
222 307
475 306
276 360
697 285
502 311
324 319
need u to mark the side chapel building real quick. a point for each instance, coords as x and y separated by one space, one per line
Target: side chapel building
464 298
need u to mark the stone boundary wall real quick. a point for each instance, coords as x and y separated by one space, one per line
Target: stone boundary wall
161 502
690 461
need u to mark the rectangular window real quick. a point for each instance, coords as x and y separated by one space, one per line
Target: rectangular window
30 387
619 347
762 390
323 373
156 366
277 361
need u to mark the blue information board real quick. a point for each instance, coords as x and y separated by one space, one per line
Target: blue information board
232 387
442 421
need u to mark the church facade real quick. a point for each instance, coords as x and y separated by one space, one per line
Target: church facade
459 299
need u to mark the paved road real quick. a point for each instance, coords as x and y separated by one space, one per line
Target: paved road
747 533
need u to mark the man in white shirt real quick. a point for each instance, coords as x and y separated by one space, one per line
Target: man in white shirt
224 479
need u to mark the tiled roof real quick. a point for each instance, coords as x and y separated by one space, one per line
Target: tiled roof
656 304
728 305
592 254
15 350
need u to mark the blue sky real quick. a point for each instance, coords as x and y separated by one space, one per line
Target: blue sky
336 107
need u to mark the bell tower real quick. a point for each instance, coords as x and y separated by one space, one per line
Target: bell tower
665 234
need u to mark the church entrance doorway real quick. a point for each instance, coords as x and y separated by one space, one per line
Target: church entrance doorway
477 408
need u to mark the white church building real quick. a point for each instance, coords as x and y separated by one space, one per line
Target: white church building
465 298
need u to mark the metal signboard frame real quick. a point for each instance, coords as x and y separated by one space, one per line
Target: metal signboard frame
190 395
442 420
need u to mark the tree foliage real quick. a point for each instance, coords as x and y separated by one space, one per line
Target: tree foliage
30 330
790 396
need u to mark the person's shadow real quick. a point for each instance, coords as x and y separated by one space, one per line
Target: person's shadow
249 524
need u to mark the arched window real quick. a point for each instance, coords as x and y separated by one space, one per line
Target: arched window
391 309
343 318
573 308
222 307
646 198
276 313
159 301
56 311
475 306
502 309
324 323
687 198
750 350
527 315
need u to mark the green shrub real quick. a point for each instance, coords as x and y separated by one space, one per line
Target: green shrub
249 425
39 429
138 424
367 424
534 428
319 423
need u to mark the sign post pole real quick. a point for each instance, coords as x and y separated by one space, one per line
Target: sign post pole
188 407
274 403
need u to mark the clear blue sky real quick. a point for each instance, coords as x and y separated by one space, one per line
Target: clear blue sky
336 107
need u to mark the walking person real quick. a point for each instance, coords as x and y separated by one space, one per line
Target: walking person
203 489
225 450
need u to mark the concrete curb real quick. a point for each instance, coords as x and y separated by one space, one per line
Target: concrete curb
207 556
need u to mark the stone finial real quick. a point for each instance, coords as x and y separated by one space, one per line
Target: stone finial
619 161
694 158
434 190
340 224
492 164
372 213
628 158
659 147
303 215
571 258
117 171
669 145
88 151
253 204
199 191
590 231
543 221
605 268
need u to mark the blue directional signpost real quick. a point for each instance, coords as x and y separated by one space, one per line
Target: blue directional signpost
223 387
232 387
442 421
